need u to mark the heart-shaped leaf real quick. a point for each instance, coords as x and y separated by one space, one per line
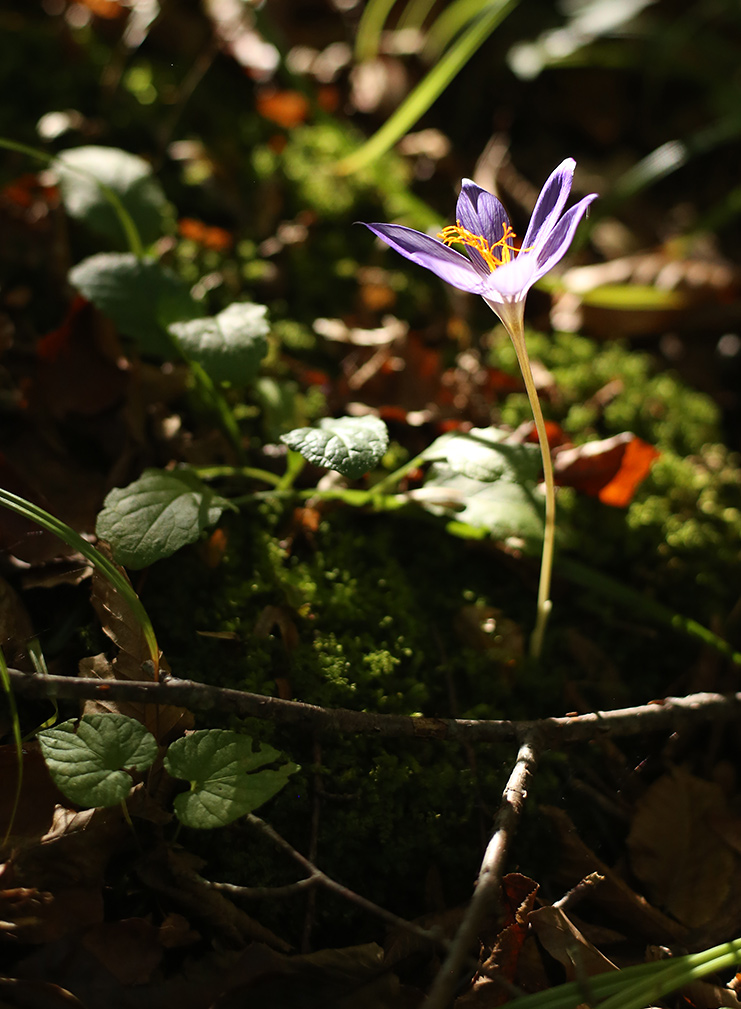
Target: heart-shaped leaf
225 783
156 515
139 295
81 169
504 508
87 761
230 345
485 454
350 445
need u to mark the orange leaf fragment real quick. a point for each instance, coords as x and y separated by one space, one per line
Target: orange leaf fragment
637 460
285 108
610 470
108 9
209 236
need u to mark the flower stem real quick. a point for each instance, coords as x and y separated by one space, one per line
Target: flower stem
517 335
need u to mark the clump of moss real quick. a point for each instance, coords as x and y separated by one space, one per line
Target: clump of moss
655 405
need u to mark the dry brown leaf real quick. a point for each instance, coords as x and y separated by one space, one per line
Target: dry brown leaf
130 949
36 995
39 795
574 860
16 629
610 469
565 943
132 663
686 867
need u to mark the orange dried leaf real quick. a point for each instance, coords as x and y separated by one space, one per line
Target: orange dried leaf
285 108
209 236
610 470
108 9
637 460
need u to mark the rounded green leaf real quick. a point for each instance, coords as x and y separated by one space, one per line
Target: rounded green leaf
130 177
156 515
225 782
350 445
504 508
230 345
484 454
139 295
87 762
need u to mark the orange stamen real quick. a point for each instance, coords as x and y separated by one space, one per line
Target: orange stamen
456 233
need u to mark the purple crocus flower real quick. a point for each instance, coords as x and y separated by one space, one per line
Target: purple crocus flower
493 267
502 274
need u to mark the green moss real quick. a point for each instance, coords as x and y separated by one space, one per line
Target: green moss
657 406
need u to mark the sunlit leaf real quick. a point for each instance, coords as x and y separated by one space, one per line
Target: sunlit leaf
484 454
504 508
156 515
139 295
225 781
230 345
350 445
87 761
82 168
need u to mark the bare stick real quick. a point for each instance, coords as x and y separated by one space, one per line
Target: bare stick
670 713
490 875
321 879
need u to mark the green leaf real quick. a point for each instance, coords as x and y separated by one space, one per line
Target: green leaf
350 445
230 345
156 515
131 179
484 454
504 508
225 783
87 764
139 295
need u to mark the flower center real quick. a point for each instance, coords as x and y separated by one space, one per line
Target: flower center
506 251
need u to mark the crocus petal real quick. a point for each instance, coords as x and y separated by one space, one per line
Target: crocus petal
446 263
550 203
512 281
560 238
481 213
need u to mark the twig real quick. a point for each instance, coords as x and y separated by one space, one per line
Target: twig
670 713
579 891
490 875
321 879
266 892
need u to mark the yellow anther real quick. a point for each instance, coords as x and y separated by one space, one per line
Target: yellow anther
456 233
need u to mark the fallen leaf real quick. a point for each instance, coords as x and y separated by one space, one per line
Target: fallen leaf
209 236
16 629
74 375
566 944
686 867
287 108
39 795
130 949
107 9
610 470
613 898
133 662
518 898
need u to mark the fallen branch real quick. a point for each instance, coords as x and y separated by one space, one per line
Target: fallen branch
320 878
490 875
670 713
